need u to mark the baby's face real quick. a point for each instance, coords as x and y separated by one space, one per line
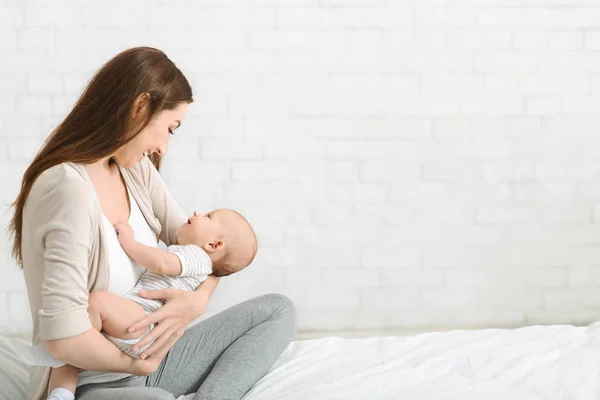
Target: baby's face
200 228
219 232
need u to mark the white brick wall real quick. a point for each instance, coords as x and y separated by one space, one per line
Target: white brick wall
407 164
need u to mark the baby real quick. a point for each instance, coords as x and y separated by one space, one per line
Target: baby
220 242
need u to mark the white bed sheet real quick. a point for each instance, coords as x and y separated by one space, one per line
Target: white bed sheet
14 374
536 362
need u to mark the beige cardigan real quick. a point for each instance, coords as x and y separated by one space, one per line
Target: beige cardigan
64 255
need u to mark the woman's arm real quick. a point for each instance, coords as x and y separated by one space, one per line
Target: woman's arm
92 351
89 350
63 221
204 291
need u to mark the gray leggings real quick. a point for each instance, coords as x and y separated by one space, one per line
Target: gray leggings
220 358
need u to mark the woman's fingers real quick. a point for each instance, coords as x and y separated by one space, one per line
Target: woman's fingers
148 320
153 335
162 344
169 319
161 352
143 323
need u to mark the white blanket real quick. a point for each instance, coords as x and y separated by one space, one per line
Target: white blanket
537 362
14 374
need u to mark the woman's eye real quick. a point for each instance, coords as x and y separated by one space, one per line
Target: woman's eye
171 131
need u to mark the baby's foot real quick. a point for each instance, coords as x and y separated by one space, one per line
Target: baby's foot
61 394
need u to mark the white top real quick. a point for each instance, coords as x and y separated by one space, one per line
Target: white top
124 272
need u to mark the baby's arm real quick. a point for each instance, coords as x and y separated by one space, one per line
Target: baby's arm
152 258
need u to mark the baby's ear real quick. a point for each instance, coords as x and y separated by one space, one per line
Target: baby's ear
213 246
207 247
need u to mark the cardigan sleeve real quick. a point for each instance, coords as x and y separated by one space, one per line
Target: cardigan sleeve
64 234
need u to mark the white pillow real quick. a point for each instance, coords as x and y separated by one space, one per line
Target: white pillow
14 374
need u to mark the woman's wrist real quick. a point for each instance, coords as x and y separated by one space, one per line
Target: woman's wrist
203 293
199 301
126 364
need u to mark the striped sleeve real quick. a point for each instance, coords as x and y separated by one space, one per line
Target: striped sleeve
194 260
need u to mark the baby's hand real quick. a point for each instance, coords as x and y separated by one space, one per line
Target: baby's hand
124 232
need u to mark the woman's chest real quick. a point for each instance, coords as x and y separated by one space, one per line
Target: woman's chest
113 196
124 272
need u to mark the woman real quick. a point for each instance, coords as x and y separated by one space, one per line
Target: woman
99 167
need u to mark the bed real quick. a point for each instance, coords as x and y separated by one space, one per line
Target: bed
536 362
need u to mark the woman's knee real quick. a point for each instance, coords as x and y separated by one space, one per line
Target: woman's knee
282 304
281 300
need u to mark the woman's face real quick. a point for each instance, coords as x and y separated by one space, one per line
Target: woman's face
153 138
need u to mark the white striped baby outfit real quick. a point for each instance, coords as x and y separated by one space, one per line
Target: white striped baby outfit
195 268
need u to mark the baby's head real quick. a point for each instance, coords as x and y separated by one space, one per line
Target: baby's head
225 235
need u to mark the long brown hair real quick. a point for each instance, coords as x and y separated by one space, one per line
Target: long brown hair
100 122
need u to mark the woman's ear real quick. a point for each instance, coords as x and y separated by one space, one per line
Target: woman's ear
140 105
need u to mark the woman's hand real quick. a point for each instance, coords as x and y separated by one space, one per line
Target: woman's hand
181 307
144 367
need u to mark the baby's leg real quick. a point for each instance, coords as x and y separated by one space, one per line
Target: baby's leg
66 378
109 313
114 314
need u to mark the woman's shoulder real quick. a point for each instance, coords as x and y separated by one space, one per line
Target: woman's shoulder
64 183
60 198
